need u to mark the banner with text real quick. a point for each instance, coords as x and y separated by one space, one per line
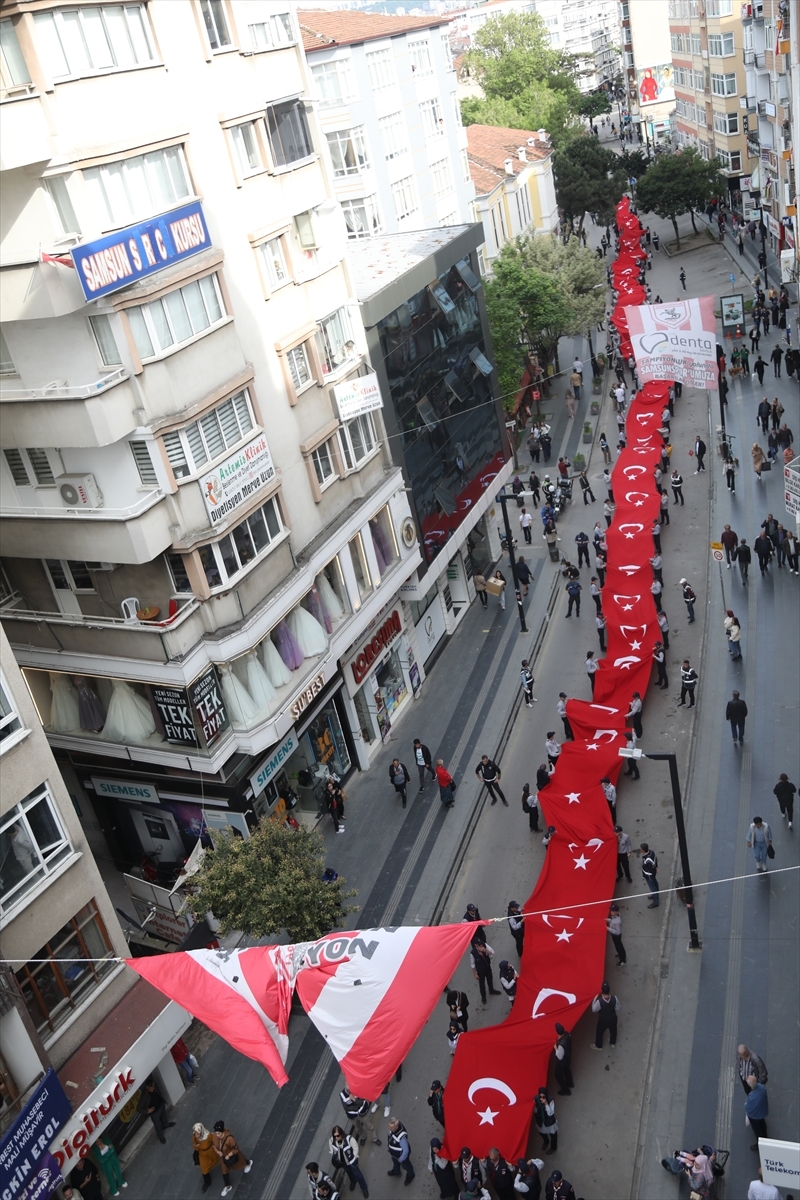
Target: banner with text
675 341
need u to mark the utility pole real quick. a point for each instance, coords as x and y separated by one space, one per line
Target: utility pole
503 499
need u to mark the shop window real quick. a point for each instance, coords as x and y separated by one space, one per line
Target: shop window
357 440
54 988
275 31
367 715
10 723
144 464
420 607
218 432
359 561
335 341
177 569
348 149
289 134
383 540
390 691
332 591
106 342
79 41
32 844
216 23
135 188
177 317
226 559
13 69
273 261
322 749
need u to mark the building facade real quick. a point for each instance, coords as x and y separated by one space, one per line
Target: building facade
647 61
385 89
589 28
201 520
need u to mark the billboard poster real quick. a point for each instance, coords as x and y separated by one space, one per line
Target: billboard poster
238 478
174 714
26 1167
655 83
675 341
205 697
732 311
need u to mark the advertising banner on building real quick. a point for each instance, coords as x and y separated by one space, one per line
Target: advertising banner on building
205 697
237 478
675 341
175 715
655 83
24 1145
357 396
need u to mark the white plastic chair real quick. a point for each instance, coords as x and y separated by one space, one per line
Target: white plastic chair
130 607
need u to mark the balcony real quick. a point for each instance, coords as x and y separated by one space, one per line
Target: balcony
755 58
753 11
26 138
89 414
767 109
136 534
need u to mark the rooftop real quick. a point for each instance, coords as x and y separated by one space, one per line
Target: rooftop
378 261
490 147
323 28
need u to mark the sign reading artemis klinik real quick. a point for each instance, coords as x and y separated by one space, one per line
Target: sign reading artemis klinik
120 258
237 478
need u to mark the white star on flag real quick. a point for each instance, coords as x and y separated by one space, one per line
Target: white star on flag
580 862
563 936
627 607
592 746
636 645
487 1117
573 797
629 536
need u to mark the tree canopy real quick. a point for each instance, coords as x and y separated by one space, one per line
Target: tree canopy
589 178
269 883
678 183
526 83
595 104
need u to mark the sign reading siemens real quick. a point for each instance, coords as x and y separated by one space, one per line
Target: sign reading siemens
121 258
273 762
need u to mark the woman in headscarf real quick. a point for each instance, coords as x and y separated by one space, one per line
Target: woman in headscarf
205 1156
442 1170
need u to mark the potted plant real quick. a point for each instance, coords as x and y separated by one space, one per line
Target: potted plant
587 432
578 463
601 358
595 407
596 385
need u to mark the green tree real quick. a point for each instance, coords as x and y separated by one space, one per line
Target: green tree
579 273
271 882
594 105
589 177
678 183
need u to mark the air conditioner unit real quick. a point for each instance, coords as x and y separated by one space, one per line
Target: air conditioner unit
79 491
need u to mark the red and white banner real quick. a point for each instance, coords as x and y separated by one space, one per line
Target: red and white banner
675 341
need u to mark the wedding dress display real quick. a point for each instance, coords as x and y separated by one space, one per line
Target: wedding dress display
242 709
315 605
277 670
258 683
129 717
64 710
287 645
382 552
328 597
308 632
91 712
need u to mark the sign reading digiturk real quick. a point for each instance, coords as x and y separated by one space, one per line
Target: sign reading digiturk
237 479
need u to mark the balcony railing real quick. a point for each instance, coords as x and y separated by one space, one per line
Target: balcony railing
61 512
755 58
58 389
12 610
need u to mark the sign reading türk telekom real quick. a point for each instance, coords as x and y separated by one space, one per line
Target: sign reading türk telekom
675 341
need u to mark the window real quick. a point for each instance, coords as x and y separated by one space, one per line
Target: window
723 85
395 137
138 187
52 989
56 187
30 468
106 343
420 55
718 8
6 361
274 262
701 114
357 440
216 24
362 217
348 151
523 206
730 160
222 561
720 45
432 120
246 145
465 166
9 725
77 41
678 43
177 570
726 122
442 178
32 843
71 575
449 218
275 31
696 43
405 197
176 317
381 69
289 136
323 464
447 52
221 429
13 71
144 464
334 82
359 561
334 340
297 361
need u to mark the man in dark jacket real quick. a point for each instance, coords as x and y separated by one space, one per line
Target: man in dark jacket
563 1064
785 792
398 773
436 1101
775 359
763 548
700 452
489 772
744 558
482 969
153 1103
400 1150
730 540
424 760
763 414
500 1174
736 712
558 1188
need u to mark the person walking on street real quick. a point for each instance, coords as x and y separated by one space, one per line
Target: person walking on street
632 767
527 681
785 791
573 590
575 381
663 625
442 1171
399 1150
316 1177
447 786
525 522
508 980
203 1153
229 1155
562 1070
700 454
650 872
730 540
558 1188
470 1172
608 512
775 358
546 1123
436 1101
582 542
606 1005
424 760
561 708
790 544
676 483
524 575
334 800
748 1063
458 1004
655 590
109 1164
480 589
743 558
689 599
398 774
614 927
763 414
183 1060
689 679
759 458
86 1178
586 488
530 805
154 1104
591 667
604 446
481 957
596 593
610 793
758 1190
660 659
357 1110
756 1107
624 851
552 747
759 839
489 772
733 631
736 713
682 278
343 1149
516 923
759 366
764 549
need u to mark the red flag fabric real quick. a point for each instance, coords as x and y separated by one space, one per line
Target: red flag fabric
61 260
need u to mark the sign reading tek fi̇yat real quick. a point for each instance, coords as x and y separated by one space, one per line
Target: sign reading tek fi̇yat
237 479
205 697
176 715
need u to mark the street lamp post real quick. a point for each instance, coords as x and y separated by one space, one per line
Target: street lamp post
694 940
502 499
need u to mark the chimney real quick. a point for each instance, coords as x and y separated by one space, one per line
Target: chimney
531 141
522 154
509 166
544 136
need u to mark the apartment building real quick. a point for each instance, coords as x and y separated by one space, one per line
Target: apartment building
385 91
512 171
647 60
589 28
201 520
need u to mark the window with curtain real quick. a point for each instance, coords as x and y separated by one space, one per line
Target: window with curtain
210 437
78 41
178 573
275 31
357 440
106 342
323 464
432 120
176 317
289 134
333 82
138 187
348 149
362 217
335 340
222 561
33 843
274 262
245 143
216 23
297 362
420 55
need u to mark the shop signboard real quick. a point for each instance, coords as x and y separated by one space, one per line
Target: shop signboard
237 479
120 259
125 789
780 1162
357 396
26 1169
205 697
372 650
430 629
176 715
274 762
308 695
732 310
